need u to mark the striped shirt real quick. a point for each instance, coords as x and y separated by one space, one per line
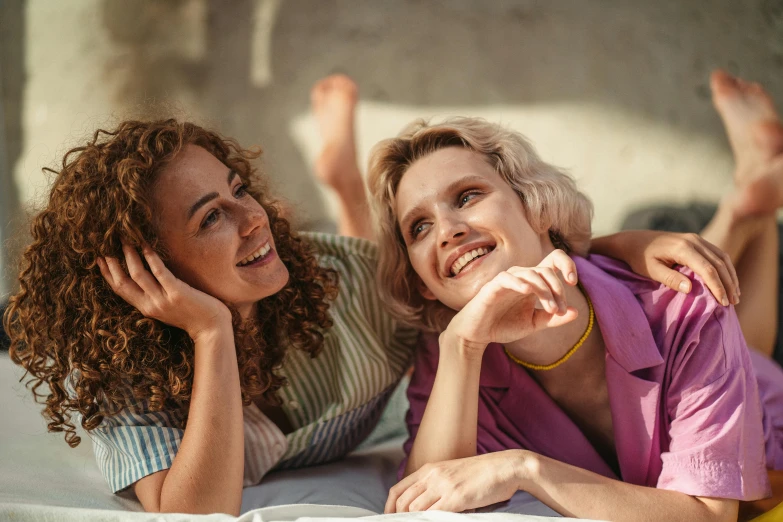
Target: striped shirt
333 401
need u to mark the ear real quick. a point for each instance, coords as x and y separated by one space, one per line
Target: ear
556 240
425 292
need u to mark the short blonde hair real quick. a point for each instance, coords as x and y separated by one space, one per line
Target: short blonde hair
550 197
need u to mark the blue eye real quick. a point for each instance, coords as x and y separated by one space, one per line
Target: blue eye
210 219
417 228
466 197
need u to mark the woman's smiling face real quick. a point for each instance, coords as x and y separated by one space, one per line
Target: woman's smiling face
462 225
218 236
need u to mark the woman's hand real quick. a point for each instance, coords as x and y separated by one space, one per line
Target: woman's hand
158 294
653 253
458 485
516 303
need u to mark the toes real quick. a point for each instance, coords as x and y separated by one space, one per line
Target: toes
722 82
318 90
335 84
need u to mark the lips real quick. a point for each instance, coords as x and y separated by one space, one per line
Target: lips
463 256
259 252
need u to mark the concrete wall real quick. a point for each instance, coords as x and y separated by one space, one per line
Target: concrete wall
615 91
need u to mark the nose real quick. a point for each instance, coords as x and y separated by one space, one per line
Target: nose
253 220
450 229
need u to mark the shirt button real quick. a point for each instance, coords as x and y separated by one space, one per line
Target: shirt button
278 448
294 405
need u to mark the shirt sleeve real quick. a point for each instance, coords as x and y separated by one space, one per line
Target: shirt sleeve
714 415
356 261
425 367
135 443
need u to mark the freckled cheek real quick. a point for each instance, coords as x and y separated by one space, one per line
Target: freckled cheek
203 267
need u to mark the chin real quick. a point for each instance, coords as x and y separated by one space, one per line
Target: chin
283 281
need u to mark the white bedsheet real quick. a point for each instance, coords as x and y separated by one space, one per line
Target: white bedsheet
42 479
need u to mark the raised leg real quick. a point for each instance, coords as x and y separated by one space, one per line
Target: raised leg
333 101
745 225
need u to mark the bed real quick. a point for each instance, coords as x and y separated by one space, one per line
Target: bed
41 478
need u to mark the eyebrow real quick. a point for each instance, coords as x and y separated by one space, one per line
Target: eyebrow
203 200
418 209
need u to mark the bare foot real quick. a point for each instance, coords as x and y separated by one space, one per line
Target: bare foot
333 101
751 122
756 136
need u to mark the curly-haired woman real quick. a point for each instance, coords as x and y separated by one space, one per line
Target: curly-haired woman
167 306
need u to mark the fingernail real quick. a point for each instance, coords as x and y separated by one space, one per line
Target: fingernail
572 277
684 287
725 302
553 305
736 300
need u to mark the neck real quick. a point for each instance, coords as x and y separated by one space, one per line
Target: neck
550 344
247 311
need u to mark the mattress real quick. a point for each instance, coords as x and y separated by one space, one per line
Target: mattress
41 478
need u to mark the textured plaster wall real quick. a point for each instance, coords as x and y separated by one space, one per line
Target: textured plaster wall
614 91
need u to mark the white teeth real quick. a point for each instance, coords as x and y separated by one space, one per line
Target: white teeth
466 258
255 255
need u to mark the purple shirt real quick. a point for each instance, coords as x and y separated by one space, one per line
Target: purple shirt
683 393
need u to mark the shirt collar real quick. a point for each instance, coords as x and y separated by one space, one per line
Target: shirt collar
624 325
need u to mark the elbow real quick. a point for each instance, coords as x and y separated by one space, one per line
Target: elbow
719 510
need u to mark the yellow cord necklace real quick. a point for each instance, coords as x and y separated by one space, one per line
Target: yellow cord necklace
569 353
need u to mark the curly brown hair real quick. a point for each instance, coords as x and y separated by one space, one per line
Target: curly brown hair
70 331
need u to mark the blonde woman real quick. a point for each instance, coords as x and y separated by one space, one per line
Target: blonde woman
603 394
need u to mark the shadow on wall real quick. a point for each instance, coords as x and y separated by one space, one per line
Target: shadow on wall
12 81
650 58
248 65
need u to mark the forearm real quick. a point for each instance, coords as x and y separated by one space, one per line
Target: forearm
579 493
610 246
450 421
354 217
206 475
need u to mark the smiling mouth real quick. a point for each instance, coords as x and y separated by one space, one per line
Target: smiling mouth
256 256
468 258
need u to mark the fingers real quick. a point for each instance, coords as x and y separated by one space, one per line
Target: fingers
416 497
402 494
556 286
561 261
159 269
717 275
119 281
670 277
545 284
726 258
409 496
138 272
105 272
397 490
424 501
542 319
138 286
706 260
711 266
